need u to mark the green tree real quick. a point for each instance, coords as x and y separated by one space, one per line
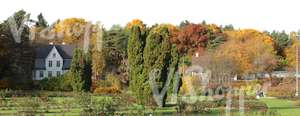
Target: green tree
215 36
228 27
87 77
135 50
16 58
80 70
281 41
115 45
159 55
41 22
184 23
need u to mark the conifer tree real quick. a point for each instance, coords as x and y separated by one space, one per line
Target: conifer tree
135 60
80 70
161 56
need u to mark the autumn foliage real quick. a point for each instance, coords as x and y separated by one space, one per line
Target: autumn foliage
251 50
290 53
71 29
191 38
137 22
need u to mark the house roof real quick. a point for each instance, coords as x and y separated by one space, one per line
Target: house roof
39 64
65 51
67 64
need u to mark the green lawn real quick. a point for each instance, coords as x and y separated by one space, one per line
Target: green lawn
282 106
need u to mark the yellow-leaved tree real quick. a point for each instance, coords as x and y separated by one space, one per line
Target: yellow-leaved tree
71 29
251 50
290 52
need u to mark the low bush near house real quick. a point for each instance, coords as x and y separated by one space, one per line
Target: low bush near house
110 85
60 83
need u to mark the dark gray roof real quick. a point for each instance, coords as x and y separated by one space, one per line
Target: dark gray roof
64 50
67 64
39 64
42 52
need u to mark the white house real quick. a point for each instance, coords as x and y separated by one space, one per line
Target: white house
52 60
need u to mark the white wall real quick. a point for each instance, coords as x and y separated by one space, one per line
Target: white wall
54 68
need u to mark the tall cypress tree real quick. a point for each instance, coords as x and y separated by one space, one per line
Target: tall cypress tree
161 56
135 60
76 70
80 70
87 77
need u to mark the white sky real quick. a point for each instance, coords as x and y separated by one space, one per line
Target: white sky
257 14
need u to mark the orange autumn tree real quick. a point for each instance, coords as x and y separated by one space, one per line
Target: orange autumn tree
191 38
134 22
71 29
290 52
251 50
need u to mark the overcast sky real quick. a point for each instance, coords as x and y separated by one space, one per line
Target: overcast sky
257 14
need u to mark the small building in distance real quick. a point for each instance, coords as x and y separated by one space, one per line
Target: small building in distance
52 60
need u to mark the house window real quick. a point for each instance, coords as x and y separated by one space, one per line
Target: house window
50 63
57 63
53 55
49 73
57 73
41 73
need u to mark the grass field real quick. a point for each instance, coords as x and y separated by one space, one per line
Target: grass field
282 106
58 106
69 107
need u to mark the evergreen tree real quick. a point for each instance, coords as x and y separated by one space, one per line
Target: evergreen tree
161 56
135 60
41 21
115 44
87 77
80 70
281 41
16 58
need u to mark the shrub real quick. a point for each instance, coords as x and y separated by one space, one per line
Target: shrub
199 106
105 106
106 90
110 85
251 105
60 83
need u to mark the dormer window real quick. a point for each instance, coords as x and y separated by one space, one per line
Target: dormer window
53 55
